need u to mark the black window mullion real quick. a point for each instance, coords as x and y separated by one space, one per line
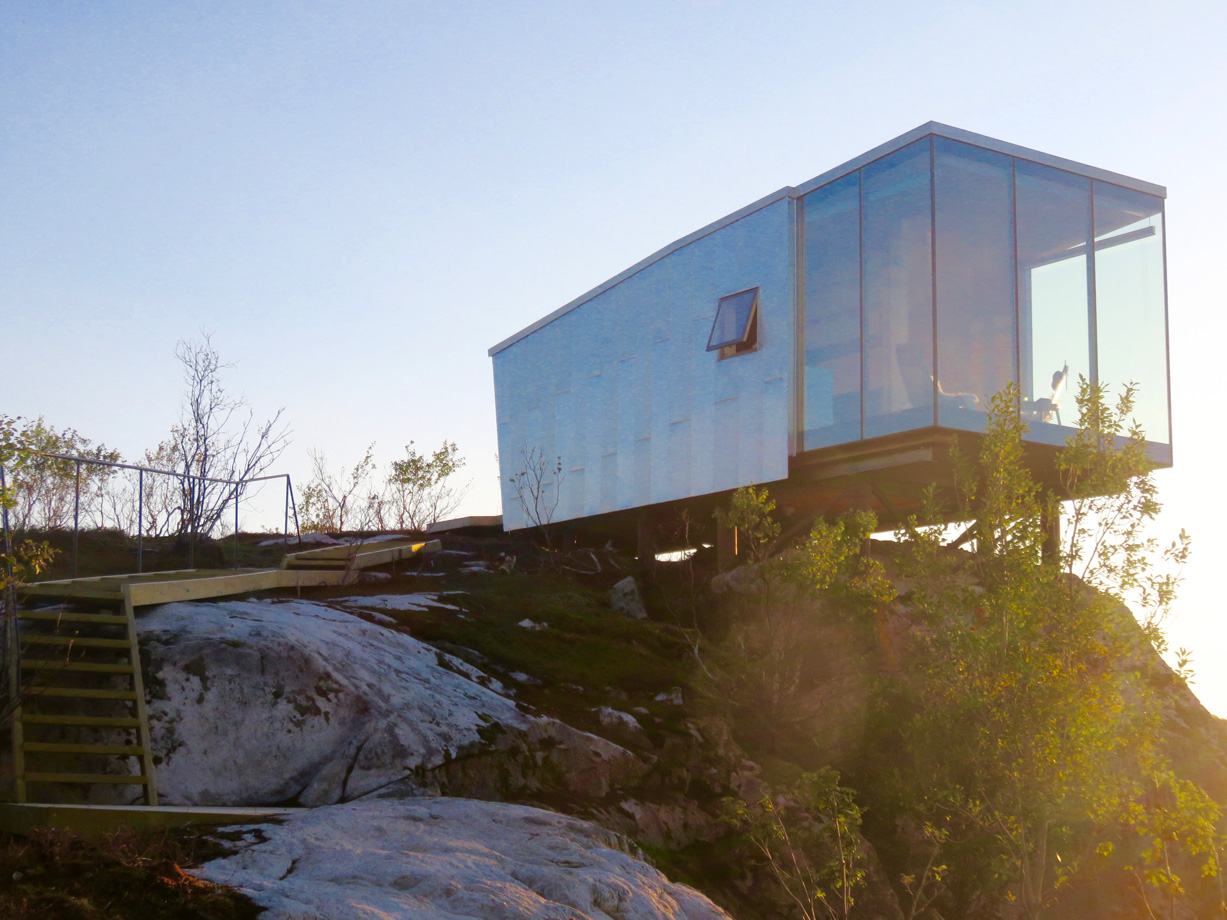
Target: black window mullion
933 266
1091 305
860 245
1018 381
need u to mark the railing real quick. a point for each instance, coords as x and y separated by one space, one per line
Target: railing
240 487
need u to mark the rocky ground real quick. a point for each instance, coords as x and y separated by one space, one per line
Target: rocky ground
485 737
447 859
334 704
316 705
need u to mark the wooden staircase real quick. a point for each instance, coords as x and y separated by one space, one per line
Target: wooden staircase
76 669
76 672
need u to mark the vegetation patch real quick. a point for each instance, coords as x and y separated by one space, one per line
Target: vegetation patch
583 652
56 875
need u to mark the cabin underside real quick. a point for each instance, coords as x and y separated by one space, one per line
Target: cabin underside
888 476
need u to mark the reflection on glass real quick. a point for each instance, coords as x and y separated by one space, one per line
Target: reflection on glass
734 315
1017 249
832 349
1054 210
975 281
898 273
1129 302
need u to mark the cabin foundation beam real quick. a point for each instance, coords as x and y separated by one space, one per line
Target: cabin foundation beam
726 547
645 538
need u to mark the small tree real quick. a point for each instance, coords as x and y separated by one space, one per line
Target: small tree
160 503
217 438
1027 735
537 486
1110 499
330 503
45 491
18 562
418 492
809 835
772 608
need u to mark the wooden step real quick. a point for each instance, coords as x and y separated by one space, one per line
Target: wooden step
94 721
50 642
44 747
74 616
82 642
53 664
87 778
81 693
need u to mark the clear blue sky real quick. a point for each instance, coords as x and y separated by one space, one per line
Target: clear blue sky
358 198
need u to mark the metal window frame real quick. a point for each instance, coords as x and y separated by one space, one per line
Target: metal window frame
747 340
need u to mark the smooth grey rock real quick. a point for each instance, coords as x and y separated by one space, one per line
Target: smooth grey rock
673 696
737 581
258 702
419 601
621 726
625 599
672 825
448 859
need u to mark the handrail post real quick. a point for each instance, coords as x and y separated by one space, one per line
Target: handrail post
4 513
236 527
6 602
140 521
76 520
191 524
294 505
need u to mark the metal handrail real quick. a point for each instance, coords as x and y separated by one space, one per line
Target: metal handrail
291 505
154 469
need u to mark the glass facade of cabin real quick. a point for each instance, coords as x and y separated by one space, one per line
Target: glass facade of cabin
937 274
896 293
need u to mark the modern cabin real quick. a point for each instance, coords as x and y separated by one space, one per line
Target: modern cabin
832 339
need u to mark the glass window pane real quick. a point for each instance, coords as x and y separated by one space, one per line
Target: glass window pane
733 320
1054 226
898 292
975 281
831 391
1129 302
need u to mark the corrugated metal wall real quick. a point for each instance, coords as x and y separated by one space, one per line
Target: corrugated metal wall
621 389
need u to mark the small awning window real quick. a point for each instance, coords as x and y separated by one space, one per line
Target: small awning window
735 321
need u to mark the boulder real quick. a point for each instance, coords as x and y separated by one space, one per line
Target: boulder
672 696
447 859
669 825
740 580
624 599
621 726
260 702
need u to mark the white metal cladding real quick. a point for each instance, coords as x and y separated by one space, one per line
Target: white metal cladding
932 127
622 389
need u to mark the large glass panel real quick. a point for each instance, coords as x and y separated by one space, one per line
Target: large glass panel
1054 227
1131 328
898 292
831 391
975 281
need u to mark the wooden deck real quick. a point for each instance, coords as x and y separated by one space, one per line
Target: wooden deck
95 820
328 565
359 555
